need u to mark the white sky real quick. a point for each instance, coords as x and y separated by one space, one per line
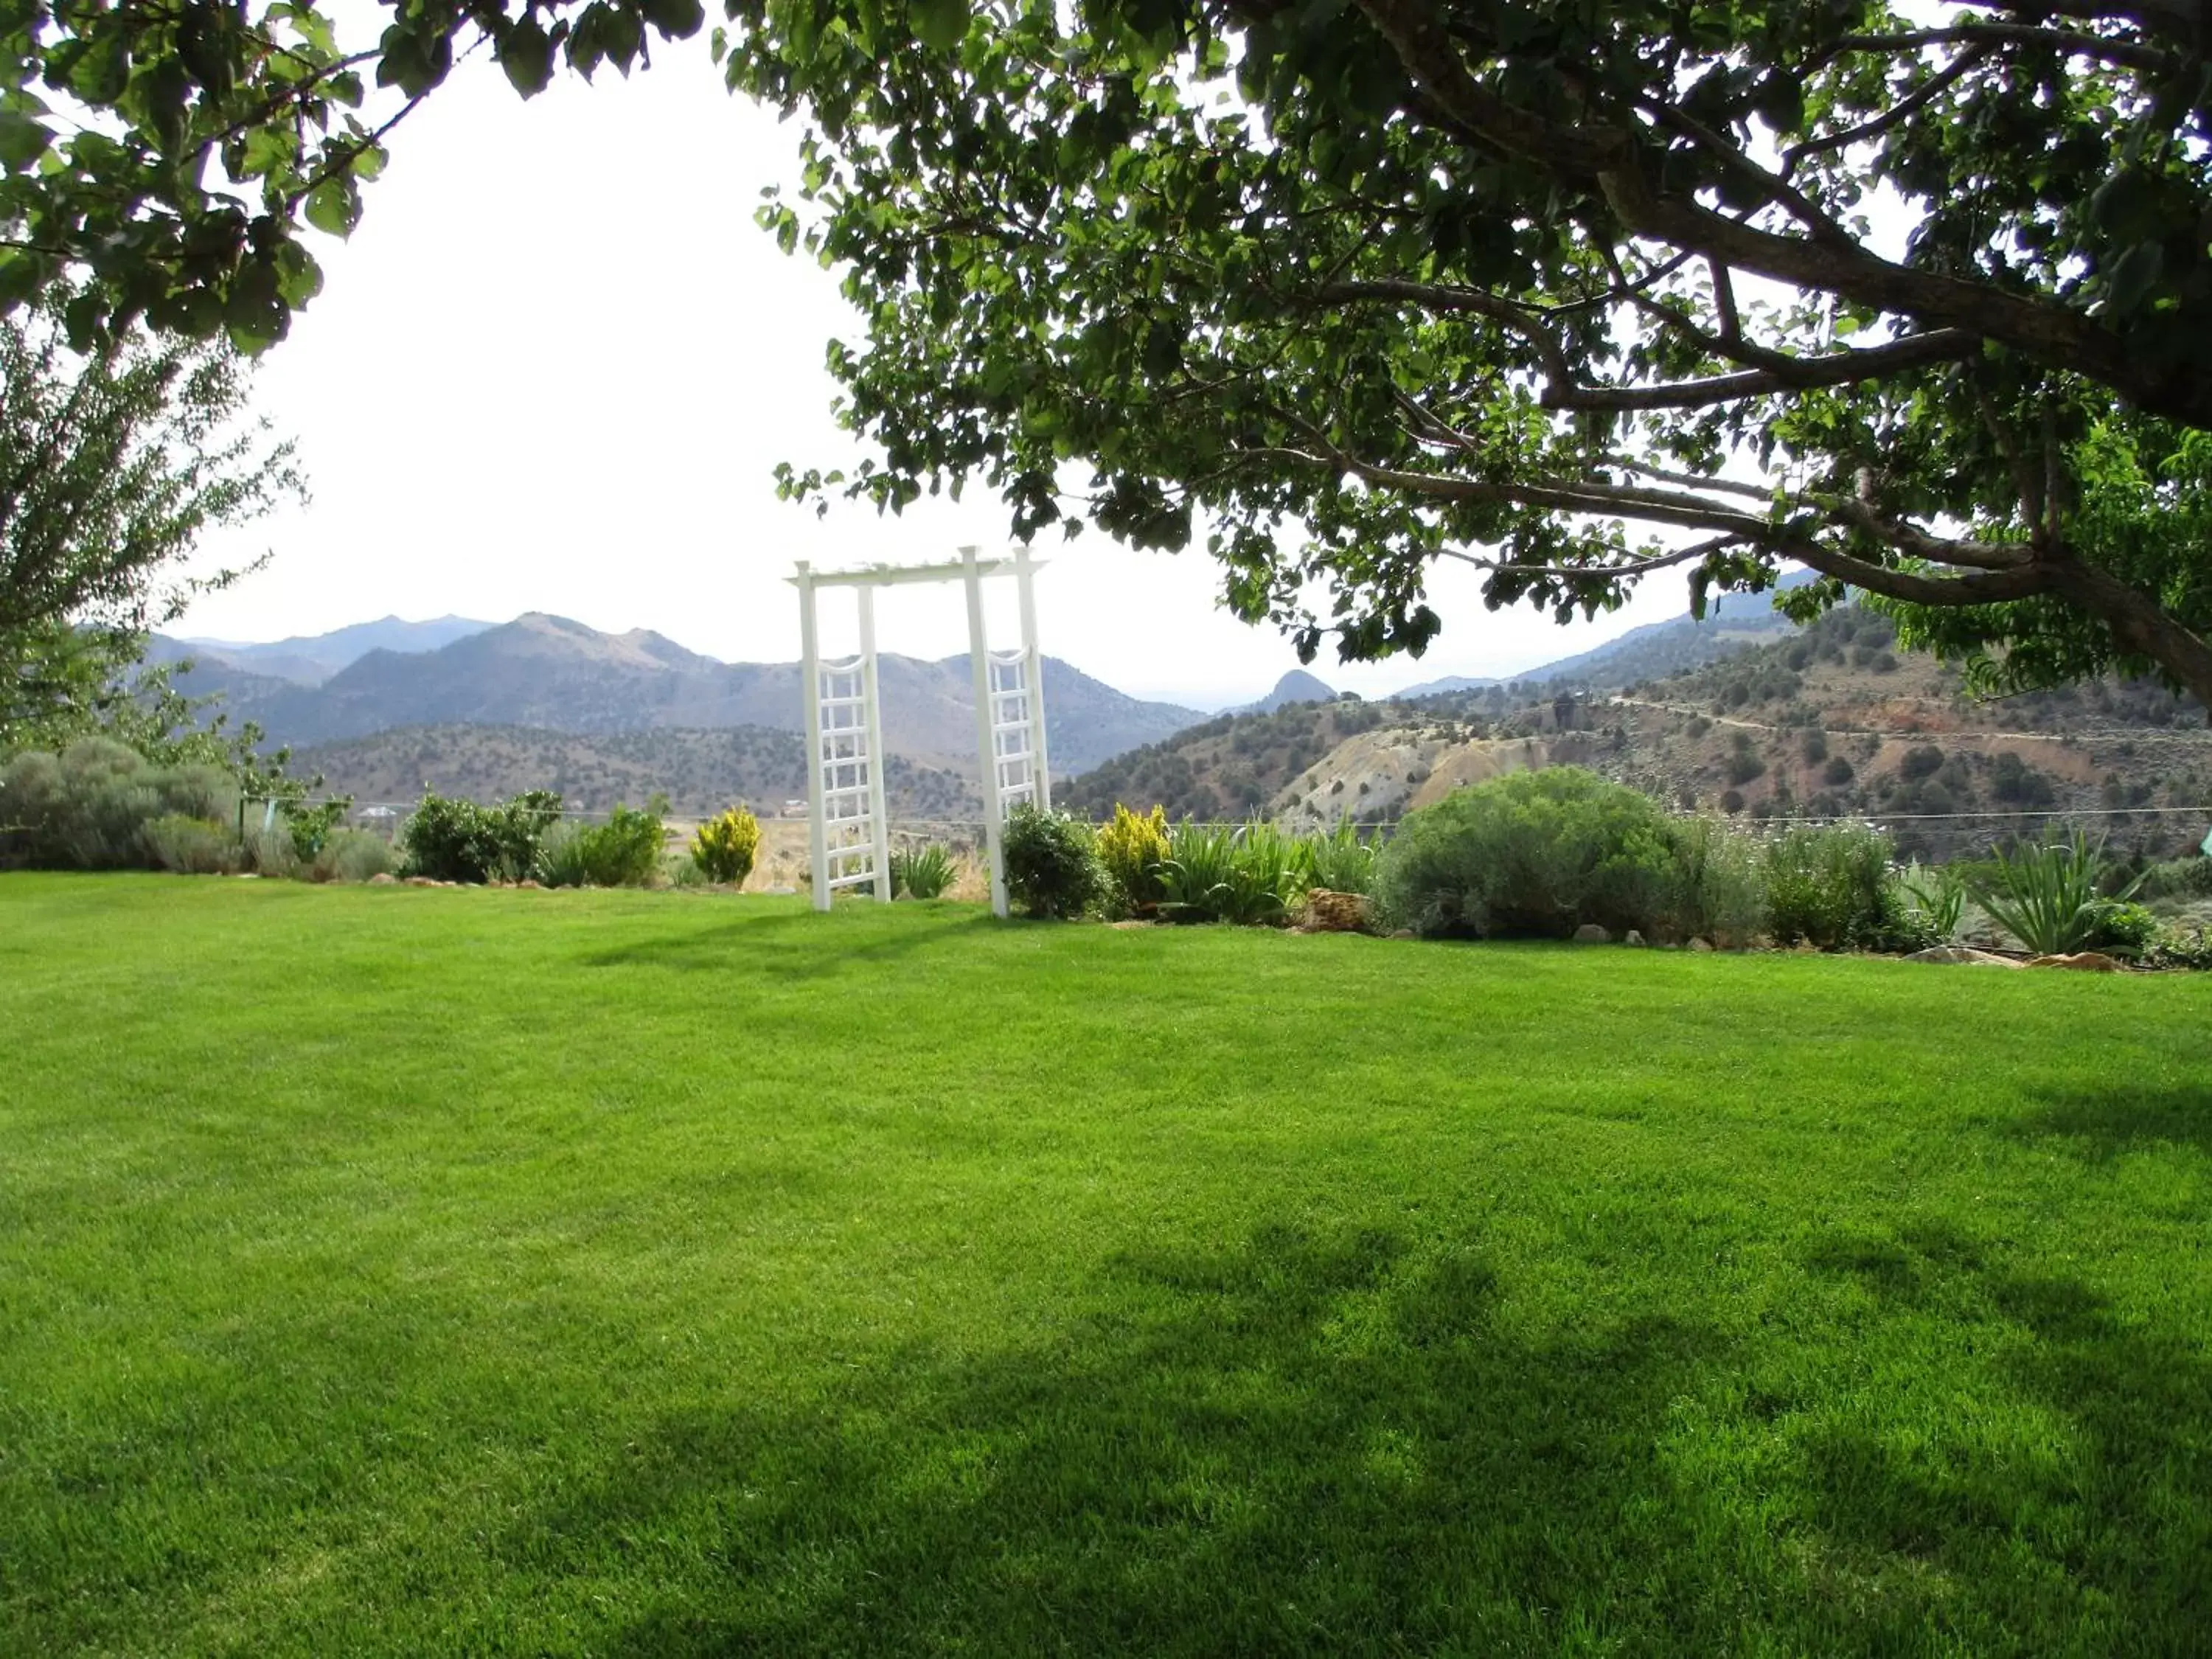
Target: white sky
555 368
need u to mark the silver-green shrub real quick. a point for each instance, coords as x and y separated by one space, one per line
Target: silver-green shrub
87 807
1717 890
1534 854
190 847
353 855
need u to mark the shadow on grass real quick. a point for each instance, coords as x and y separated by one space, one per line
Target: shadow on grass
2120 1116
1331 1442
787 946
2110 1508
1311 1442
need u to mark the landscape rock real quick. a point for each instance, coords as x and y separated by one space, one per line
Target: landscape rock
538 886
1331 912
1963 953
1590 933
1700 945
1404 933
420 881
2086 961
384 878
1632 937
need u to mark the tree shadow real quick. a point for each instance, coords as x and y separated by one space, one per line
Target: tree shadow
785 946
1312 1441
2092 1491
2121 1115
1334 1440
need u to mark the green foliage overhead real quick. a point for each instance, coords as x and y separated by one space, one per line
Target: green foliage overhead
1574 292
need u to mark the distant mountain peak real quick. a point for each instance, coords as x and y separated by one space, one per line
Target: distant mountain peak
1296 686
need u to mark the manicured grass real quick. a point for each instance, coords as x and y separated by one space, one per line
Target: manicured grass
400 1270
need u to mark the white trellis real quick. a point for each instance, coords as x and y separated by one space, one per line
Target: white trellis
848 832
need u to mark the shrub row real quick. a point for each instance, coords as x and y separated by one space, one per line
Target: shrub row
100 805
1539 855
1140 867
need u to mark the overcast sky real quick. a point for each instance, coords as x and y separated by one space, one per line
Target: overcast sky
554 369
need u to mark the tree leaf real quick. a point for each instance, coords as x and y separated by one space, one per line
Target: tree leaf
940 25
22 139
526 52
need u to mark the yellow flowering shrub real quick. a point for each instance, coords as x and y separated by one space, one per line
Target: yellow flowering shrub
727 845
1130 848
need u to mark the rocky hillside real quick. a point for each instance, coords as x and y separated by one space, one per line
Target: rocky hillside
700 772
1828 721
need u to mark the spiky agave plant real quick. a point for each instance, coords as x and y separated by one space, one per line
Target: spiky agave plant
2045 896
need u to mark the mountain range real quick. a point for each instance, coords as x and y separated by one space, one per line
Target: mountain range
552 674
549 674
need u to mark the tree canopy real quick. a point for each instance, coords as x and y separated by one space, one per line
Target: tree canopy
1575 291
112 463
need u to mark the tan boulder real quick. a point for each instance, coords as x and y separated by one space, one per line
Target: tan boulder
2086 961
1963 953
1330 912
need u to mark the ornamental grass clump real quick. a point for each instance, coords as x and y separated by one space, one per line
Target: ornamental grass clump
725 846
1336 860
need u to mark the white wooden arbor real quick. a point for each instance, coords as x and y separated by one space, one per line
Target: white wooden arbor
849 832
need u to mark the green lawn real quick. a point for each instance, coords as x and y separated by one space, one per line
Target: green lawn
422 1271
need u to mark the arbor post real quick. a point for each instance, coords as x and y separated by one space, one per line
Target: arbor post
986 749
810 671
878 825
1033 675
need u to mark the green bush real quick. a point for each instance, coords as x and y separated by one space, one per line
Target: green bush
2177 878
191 846
922 872
87 807
2188 945
270 853
1533 854
1827 885
449 839
2124 929
1717 885
2048 895
1050 866
623 851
